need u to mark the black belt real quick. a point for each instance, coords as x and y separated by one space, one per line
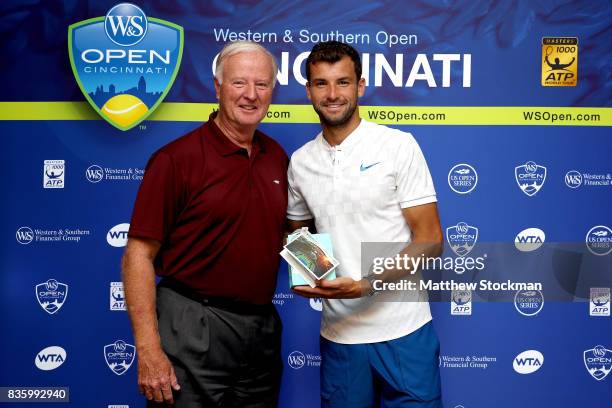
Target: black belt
231 305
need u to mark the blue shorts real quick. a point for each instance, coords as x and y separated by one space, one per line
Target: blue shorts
401 373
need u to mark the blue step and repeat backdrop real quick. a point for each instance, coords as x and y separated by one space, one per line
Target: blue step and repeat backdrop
509 100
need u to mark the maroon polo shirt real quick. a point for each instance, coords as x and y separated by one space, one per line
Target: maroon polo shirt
218 213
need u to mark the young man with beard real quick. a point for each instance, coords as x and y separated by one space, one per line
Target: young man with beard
362 182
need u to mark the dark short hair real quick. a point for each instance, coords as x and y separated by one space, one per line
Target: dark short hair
332 52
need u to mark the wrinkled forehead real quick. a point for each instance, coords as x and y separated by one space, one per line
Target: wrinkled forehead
256 63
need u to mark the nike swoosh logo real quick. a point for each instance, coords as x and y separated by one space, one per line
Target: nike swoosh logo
364 168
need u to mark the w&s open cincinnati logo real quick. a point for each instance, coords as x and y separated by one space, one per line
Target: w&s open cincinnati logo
119 356
125 62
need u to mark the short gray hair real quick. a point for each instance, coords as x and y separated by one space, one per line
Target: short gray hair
238 47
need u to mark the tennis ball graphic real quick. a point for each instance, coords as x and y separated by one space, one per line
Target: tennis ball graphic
125 109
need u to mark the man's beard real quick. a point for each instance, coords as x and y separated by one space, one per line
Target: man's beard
342 120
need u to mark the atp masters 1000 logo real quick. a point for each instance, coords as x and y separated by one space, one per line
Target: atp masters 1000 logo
125 62
559 61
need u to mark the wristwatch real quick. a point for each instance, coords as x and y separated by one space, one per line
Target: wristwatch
371 279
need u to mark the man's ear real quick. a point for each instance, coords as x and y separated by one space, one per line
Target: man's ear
217 88
308 90
361 87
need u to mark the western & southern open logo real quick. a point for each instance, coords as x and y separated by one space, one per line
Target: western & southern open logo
125 63
530 177
51 295
119 356
462 238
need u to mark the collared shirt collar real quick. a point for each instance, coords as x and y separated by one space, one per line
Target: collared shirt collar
226 147
347 144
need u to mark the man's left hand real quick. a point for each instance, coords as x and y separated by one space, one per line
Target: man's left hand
339 288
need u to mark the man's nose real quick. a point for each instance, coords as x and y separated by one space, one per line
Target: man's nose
251 91
333 93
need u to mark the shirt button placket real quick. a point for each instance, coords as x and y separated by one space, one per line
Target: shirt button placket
338 159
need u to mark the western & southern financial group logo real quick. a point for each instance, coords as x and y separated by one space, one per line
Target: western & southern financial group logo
24 235
573 179
296 360
125 63
119 356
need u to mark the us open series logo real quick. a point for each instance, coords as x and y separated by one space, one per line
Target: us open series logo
529 302
125 63
462 178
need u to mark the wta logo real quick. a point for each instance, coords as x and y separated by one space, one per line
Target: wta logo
50 358
529 239
528 362
125 62
118 235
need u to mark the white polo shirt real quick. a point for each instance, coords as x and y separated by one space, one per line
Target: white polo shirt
355 192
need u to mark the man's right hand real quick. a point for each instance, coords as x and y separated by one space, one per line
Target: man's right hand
156 378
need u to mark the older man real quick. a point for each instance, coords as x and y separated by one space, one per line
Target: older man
209 219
